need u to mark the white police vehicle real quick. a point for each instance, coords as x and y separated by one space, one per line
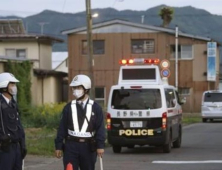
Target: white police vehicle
143 109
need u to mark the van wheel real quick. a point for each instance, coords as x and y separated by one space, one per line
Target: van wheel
167 147
204 120
116 149
177 143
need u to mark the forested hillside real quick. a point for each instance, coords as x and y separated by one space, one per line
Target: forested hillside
190 20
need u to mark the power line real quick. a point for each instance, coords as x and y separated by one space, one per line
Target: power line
63 6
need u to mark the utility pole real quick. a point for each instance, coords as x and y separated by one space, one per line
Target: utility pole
90 47
42 26
176 57
142 19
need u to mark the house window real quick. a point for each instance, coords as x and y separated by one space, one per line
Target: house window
184 51
98 47
19 53
142 46
184 91
100 96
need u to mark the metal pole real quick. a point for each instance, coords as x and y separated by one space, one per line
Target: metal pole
142 19
101 163
90 47
176 58
42 24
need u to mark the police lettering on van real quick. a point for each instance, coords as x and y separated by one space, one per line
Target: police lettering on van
143 109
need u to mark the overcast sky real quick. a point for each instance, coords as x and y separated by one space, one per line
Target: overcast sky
25 8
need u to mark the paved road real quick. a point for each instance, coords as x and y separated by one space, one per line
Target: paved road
201 150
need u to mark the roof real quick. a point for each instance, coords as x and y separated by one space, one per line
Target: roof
11 26
29 37
58 58
41 72
6 58
140 27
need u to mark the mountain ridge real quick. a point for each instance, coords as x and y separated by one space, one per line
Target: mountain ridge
190 20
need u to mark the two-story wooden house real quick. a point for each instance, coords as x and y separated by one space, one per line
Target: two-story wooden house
117 39
16 45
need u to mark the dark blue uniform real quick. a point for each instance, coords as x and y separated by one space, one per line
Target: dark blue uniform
12 137
77 151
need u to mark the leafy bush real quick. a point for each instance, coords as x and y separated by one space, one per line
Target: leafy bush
47 115
22 71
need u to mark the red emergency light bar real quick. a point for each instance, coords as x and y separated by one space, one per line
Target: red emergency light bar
139 61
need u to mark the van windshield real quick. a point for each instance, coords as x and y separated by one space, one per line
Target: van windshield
136 99
213 97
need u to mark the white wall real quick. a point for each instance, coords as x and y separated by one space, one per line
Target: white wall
40 53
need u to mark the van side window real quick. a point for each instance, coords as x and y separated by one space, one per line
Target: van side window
170 98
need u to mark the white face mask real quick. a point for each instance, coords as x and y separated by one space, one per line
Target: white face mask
13 90
78 93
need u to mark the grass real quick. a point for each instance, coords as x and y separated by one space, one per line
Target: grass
190 118
40 141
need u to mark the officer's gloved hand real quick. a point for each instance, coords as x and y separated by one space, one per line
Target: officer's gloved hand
5 144
24 153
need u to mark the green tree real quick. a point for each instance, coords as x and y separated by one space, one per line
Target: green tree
22 71
166 13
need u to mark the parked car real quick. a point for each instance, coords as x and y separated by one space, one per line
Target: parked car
211 105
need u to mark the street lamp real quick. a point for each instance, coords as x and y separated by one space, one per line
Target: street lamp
95 15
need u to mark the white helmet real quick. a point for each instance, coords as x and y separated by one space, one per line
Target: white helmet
81 80
6 78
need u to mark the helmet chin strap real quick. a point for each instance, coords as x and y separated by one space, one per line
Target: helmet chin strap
6 91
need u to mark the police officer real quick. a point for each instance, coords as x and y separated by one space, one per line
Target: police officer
82 128
12 136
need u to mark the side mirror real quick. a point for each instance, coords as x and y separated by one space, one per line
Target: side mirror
184 100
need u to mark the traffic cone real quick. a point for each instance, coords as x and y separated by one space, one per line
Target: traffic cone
69 167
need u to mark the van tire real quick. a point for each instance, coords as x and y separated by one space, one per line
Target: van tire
204 120
117 149
167 147
177 143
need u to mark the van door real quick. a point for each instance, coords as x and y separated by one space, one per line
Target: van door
173 112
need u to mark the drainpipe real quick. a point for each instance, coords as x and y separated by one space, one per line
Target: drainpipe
42 89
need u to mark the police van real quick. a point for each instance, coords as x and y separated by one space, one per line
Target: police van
143 109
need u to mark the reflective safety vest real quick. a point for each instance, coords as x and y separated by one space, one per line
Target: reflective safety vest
81 132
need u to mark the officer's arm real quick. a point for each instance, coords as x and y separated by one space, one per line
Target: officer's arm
100 128
22 134
62 130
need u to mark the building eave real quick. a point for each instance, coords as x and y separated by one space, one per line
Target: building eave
136 25
6 58
42 72
29 37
